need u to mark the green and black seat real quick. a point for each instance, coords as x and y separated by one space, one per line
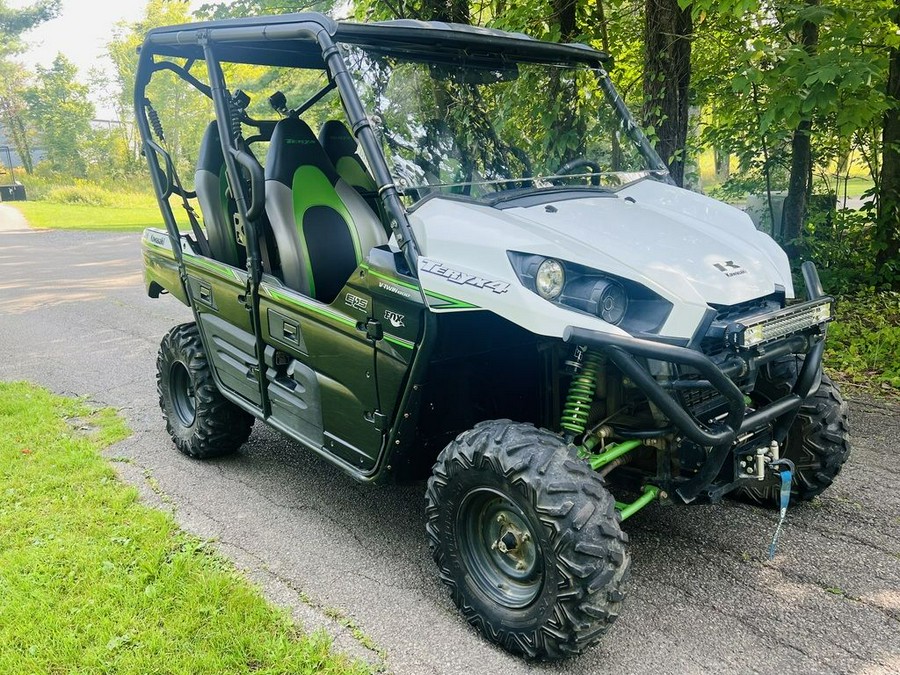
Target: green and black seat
217 205
323 227
342 150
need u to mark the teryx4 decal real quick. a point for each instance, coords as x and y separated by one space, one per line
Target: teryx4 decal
461 278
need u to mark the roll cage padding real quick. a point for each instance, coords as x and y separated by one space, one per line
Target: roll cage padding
322 226
217 207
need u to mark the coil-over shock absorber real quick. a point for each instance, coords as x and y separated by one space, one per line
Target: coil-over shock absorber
153 118
577 408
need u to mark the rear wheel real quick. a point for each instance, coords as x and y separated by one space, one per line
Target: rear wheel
201 421
818 441
527 538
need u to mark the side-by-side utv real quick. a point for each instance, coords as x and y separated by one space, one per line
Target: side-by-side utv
447 251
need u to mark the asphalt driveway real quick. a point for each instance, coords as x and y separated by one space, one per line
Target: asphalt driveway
74 318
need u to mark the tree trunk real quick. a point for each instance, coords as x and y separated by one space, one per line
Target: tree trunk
617 159
11 115
667 77
564 15
723 165
887 231
800 183
452 11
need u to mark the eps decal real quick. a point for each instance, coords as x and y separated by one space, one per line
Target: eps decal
356 302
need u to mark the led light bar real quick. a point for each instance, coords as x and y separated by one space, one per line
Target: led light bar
764 328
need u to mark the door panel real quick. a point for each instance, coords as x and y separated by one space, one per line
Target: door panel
329 341
294 396
218 291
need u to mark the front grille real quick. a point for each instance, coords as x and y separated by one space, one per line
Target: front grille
728 313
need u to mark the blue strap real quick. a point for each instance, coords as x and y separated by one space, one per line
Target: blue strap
785 498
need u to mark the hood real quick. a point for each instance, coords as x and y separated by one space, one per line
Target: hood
689 249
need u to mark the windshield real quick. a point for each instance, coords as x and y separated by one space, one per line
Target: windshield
484 126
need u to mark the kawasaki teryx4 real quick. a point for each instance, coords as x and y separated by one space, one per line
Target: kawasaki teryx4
431 249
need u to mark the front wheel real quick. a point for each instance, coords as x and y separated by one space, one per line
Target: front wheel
201 421
527 538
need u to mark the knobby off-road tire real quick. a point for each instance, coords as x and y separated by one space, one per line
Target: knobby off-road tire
818 442
201 422
492 485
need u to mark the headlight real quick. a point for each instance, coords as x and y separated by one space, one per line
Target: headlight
613 299
550 279
612 302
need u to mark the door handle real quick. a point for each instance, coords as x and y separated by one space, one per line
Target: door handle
289 331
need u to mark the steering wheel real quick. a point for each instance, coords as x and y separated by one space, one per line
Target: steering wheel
579 162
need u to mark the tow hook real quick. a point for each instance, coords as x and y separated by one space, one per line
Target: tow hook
766 456
753 464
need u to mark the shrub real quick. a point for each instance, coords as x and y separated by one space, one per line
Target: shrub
863 345
81 192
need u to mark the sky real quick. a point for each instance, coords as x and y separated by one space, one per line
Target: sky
81 32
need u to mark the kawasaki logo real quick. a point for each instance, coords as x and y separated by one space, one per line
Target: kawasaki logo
462 278
729 268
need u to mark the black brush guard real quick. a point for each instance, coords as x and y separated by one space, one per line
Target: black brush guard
624 352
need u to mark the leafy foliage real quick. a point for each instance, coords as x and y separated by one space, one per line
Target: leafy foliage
14 22
864 343
59 107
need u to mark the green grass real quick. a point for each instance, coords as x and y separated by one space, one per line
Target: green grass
91 581
45 214
863 346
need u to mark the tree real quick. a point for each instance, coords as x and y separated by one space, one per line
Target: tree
667 78
59 108
887 232
800 181
13 23
183 111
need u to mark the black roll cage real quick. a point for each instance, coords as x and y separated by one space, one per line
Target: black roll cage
309 40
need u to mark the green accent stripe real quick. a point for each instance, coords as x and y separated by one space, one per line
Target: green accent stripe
393 280
450 302
399 341
317 309
228 273
161 249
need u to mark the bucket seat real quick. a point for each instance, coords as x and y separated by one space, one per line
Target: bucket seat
322 226
217 205
343 151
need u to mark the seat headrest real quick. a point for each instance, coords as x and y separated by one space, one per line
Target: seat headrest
210 157
294 145
337 140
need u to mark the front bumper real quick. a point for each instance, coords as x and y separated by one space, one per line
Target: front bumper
720 437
